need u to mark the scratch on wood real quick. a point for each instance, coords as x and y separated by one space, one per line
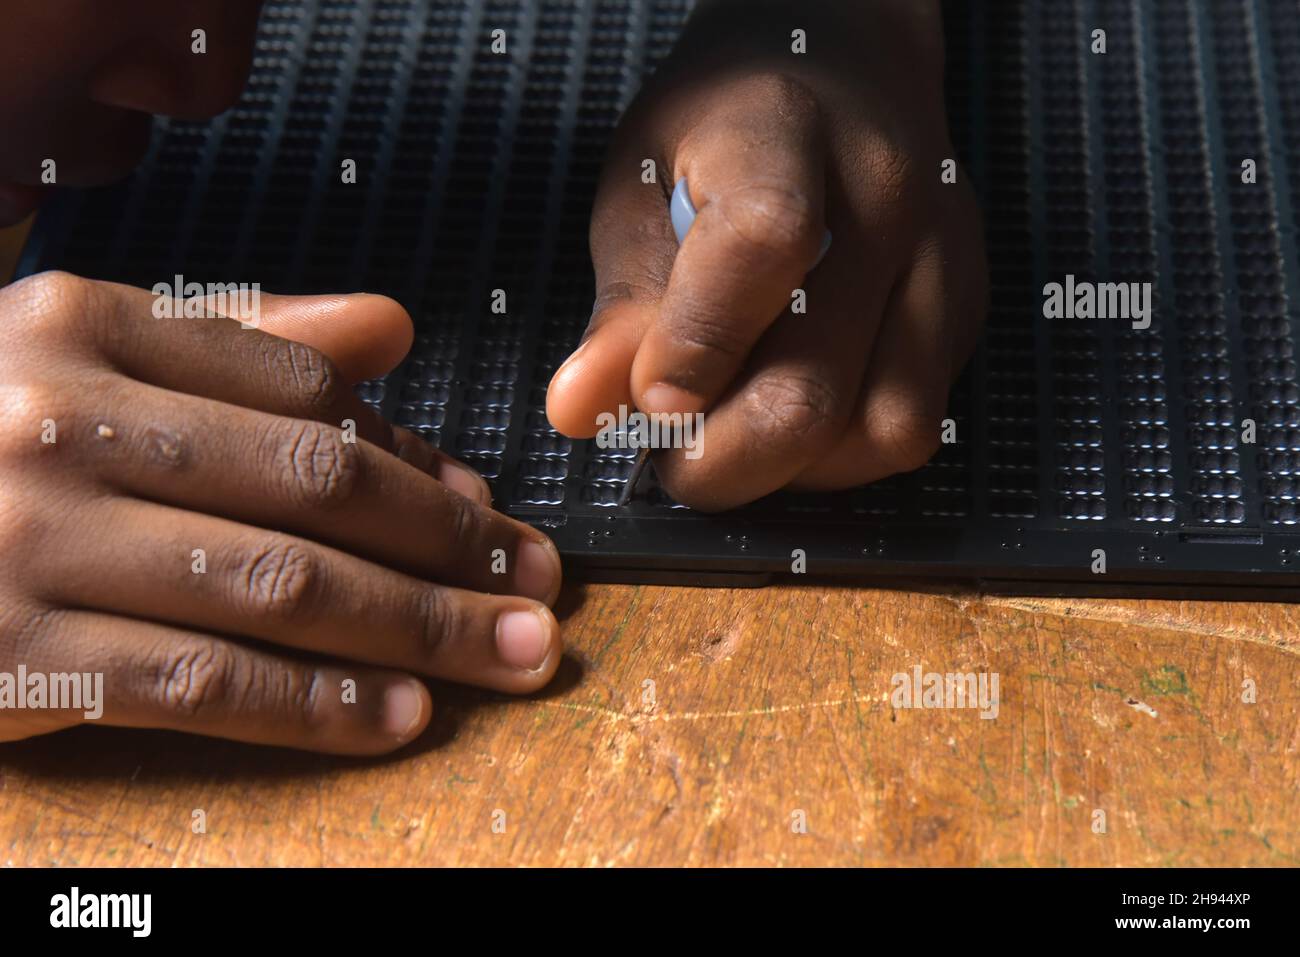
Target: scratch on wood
1111 613
642 718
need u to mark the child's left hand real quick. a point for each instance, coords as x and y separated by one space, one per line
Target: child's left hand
778 147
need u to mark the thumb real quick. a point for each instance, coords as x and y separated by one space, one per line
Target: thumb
632 250
363 334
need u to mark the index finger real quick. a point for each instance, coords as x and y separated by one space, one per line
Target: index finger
756 176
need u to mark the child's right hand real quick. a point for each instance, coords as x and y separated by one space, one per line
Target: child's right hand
777 144
128 443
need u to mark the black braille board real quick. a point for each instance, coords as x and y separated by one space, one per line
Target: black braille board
475 172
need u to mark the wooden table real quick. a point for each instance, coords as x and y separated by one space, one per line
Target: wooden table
770 710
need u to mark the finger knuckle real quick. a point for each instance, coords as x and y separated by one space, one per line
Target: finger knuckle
894 165
803 408
292 693
302 694
280 580
770 221
789 95
311 376
901 433
700 328
438 622
323 470
460 521
34 418
896 189
194 678
23 625
52 299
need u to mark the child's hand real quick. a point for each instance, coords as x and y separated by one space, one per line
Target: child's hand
777 147
181 511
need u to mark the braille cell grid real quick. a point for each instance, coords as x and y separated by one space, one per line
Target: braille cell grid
475 173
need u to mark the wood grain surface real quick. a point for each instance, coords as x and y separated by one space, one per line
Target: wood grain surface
766 703
770 708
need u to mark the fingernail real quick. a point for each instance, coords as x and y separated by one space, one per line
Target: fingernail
462 479
582 344
567 362
403 708
580 347
662 397
523 640
537 571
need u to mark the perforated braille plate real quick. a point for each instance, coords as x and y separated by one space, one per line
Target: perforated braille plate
476 171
